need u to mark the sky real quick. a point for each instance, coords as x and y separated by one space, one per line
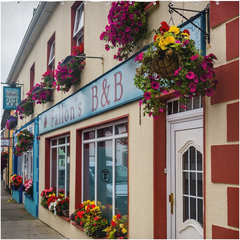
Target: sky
15 19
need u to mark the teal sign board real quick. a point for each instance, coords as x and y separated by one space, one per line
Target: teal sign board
111 90
11 97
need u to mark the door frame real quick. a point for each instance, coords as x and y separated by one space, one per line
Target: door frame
194 119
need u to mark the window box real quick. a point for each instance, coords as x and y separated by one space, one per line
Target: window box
29 196
78 226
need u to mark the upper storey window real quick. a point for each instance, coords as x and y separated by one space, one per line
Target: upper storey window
77 23
51 53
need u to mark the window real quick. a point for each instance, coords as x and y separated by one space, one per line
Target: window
27 166
77 23
60 164
192 185
51 53
32 76
105 168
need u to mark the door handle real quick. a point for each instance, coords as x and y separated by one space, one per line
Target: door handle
171 200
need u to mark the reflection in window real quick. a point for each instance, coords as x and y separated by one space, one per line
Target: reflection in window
105 168
192 185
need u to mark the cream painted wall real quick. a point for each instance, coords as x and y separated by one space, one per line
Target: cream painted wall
216 134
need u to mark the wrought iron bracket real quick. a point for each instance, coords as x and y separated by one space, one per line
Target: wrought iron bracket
205 11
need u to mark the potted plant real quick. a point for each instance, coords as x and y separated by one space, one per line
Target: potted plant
63 207
52 203
117 229
16 181
28 185
69 75
94 227
86 210
4 160
12 122
45 195
127 24
24 140
172 61
26 107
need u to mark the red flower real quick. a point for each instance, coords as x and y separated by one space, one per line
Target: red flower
113 223
155 37
164 29
186 31
163 23
119 216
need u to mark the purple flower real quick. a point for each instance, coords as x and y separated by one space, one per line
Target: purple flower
178 83
194 57
155 85
204 65
102 35
160 110
139 23
183 106
177 93
139 57
209 92
140 103
107 47
192 87
190 75
195 78
177 41
127 29
156 117
147 95
185 43
203 77
150 114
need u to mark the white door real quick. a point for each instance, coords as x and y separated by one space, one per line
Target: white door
185 175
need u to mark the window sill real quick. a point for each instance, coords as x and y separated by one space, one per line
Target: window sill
67 219
28 196
78 226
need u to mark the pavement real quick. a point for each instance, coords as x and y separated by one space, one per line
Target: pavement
18 223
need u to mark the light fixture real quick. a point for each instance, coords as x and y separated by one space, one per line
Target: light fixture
217 2
61 3
154 3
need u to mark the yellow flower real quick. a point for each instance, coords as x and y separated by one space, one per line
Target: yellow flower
97 208
88 201
98 203
93 202
174 29
103 207
121 225
170 39
114 218
124 230
186 36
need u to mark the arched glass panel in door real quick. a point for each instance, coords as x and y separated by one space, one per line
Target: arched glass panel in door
192 185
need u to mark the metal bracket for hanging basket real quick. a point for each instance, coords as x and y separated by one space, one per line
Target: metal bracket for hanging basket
205 11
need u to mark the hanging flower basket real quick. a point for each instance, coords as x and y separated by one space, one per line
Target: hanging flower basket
16 182
4 160
12 122
69 75
172 62
25 108
24 140
127 24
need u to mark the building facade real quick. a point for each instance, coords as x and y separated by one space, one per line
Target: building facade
94 142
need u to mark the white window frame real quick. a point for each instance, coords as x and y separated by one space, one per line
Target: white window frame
80 19
66 144
29 165
51 60
113 137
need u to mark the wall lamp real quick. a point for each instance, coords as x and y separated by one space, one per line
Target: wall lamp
69 58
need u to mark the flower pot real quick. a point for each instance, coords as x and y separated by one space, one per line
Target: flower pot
29 141
165 65
65 213
99 233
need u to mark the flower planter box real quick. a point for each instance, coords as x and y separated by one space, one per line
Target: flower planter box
99 233
17 195
65 213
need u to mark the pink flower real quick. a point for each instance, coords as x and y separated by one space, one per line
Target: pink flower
107 48
177 93
140 103
150 114
183 106
177 71
155 85
147 95
195 78
192 87
139 57
160 110
155 117
190 75
203 77
209 92
194 57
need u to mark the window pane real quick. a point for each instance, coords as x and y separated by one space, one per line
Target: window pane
185 161
68 169
89 135
192 158
68 139
121 174
61 140
169 108
199 161
54 169
185 183
54 142
104 173
200 211
61 168
199 185
192 208
105 132
193 184
121 128
89 172
185 208
175 107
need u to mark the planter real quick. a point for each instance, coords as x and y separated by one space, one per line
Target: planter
65 213
99 233
165 66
